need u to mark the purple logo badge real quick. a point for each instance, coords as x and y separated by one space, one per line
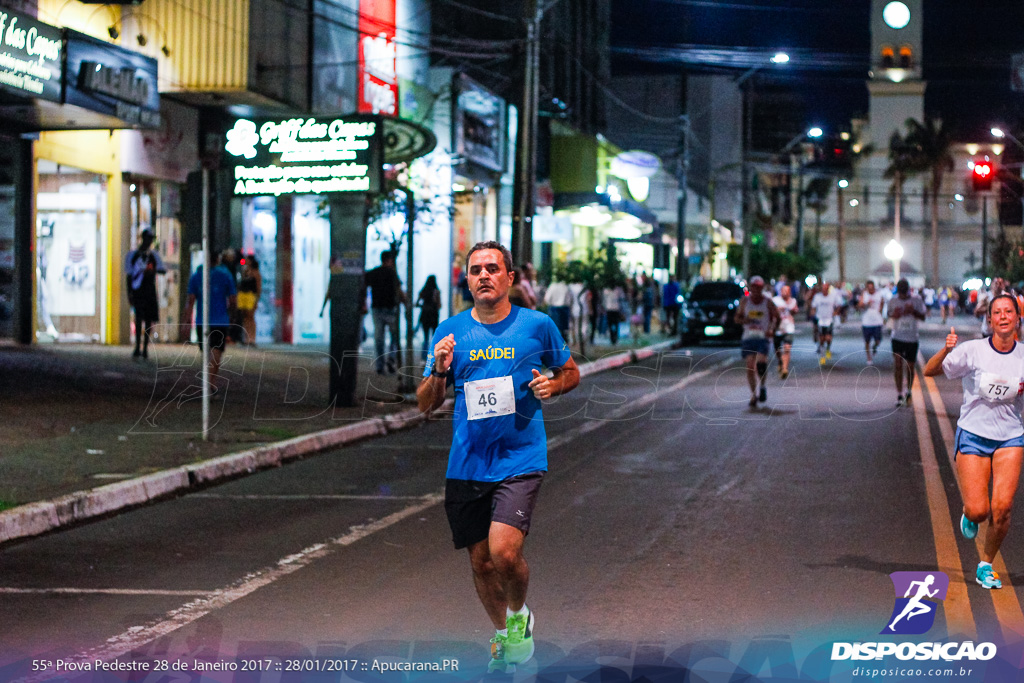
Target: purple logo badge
917 597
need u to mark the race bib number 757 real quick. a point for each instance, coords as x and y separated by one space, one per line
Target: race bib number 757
996 389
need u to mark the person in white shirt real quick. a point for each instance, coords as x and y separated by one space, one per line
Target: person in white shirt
786 303
871 320
824 306
611 298
906 311
990 433
559 301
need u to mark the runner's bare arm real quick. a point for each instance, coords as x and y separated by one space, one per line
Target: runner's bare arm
933 367
431 391
775 319
565 379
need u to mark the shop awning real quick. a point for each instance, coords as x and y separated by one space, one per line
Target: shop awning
572 200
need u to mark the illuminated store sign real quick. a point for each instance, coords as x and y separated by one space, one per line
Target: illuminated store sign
109 79
378 73
31 56
305 155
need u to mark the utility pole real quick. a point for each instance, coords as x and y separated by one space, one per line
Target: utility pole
748 209
407 383
524 190
682 168
984 235
800 208
841 234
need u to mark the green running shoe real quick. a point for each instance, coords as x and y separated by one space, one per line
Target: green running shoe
499 648
987 578
968 528
519 647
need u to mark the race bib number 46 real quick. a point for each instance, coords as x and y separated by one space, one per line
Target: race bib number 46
490 397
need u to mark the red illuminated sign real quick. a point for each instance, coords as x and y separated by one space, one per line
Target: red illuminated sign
378 77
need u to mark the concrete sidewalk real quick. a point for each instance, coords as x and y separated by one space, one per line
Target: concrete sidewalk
87 431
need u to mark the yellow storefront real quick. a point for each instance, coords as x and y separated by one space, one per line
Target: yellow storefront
80 245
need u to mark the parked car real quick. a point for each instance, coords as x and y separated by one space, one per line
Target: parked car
709 312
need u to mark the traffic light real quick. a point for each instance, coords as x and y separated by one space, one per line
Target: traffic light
982 174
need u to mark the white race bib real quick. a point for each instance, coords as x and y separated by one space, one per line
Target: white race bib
996 389
490 397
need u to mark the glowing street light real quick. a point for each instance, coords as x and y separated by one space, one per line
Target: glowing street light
894 252
780 58
815 132
844 183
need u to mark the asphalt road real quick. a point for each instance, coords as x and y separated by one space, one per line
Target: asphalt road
677 528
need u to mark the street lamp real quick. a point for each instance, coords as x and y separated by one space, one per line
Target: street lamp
814 133
894 252
1000 133
748 221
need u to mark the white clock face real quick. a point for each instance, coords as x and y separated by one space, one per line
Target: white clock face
896 15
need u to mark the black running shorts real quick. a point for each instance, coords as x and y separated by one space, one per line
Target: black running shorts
906 350
471 506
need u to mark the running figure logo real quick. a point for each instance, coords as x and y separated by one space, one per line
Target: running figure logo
914 612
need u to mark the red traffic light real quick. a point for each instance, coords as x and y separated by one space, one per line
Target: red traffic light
982 174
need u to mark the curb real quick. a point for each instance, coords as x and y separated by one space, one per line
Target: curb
34 519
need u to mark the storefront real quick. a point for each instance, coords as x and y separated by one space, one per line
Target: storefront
64 96
479 138
155 166
283 173
290 235
598 200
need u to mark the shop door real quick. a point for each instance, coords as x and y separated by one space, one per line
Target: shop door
259 240
70 246
311 235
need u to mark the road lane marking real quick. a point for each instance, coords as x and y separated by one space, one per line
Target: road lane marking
296 496
595 423
1005 600
957 605
10 590
135 637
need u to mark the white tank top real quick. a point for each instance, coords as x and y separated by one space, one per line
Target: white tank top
756 319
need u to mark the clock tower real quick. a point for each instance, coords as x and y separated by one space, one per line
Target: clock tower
895 85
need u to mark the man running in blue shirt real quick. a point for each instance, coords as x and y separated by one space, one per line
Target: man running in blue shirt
493 355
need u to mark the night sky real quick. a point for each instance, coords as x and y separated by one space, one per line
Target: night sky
967 48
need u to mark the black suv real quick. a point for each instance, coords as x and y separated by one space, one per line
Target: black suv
709 312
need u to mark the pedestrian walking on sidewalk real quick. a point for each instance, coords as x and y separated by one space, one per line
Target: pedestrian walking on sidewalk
386 297
141 268
493 355
429 301
222 303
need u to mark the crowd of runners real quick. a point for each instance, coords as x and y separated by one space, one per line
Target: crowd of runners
503 360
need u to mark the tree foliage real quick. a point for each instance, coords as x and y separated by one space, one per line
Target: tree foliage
770 263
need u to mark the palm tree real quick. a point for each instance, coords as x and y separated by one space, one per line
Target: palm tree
903 163
932 151
845 167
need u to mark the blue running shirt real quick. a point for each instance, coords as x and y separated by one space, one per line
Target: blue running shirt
496 448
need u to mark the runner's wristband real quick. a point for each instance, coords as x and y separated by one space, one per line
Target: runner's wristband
435 373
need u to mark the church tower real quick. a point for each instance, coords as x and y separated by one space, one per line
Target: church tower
895 85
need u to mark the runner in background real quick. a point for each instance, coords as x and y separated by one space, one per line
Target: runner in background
787 306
